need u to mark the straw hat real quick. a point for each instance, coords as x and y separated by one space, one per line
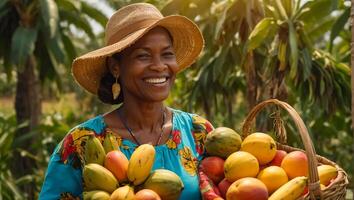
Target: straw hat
126 26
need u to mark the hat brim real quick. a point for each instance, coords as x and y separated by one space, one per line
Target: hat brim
187 43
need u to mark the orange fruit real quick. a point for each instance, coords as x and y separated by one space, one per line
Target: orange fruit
247 189
295 164
239 165
273 177
146 194
261 145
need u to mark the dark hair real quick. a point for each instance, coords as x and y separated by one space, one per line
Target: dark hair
105 87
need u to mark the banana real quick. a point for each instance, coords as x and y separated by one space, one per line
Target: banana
110 143
140 163
94 151
326 173
96 177
96 195
123 193
290 190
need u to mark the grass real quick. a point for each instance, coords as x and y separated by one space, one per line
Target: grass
65 104
7 105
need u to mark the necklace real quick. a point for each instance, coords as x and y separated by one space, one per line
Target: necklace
132 133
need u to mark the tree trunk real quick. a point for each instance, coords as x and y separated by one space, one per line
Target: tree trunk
254 90
251 79
28 110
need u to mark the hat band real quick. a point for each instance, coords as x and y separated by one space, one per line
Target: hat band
126 31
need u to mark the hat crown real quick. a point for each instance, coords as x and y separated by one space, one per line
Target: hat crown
129 19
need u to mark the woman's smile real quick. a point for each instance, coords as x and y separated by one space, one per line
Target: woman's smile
156 81
157 84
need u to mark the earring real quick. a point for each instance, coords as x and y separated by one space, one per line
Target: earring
115 89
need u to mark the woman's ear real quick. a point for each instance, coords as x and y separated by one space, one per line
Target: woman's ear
113 66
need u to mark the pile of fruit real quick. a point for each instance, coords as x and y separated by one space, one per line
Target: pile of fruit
108 174
253 169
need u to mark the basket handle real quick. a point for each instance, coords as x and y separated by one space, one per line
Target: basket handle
314 184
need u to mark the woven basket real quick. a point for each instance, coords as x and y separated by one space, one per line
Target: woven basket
337 188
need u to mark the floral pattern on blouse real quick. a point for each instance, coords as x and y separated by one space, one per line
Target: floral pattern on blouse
201 127
118 138
73 146
174 140
189 162
180 154
68 196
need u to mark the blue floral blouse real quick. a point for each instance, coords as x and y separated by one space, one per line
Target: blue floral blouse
180 154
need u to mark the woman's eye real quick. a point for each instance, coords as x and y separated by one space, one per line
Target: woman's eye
143 56
168 54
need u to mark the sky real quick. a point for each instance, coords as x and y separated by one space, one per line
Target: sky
106 9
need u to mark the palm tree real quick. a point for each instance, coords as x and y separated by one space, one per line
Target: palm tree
36 41
259 50
219 78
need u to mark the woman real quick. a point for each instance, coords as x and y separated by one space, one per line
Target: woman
137 68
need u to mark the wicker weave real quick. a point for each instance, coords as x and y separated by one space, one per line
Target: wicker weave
337 189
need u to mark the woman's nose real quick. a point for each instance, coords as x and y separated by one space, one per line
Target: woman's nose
158 65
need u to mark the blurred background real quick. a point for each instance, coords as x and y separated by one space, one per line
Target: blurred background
295 50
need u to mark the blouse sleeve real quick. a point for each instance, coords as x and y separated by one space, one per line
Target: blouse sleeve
201 127
63 179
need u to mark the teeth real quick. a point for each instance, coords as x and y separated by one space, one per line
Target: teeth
156 80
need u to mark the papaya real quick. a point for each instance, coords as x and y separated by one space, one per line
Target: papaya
165 183
96 177
222 142
94 151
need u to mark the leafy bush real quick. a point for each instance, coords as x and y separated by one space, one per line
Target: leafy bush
9 185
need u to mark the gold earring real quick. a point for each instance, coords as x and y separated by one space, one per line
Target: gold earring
115 89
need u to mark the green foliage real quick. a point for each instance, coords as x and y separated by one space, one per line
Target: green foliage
260 33
44 29
338 26
52 130
327 86
22 45
9 186
50 16
7 85
272 49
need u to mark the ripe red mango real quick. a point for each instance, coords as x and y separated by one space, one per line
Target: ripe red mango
213 167
278 158
295 164
117 163
223 187
248 188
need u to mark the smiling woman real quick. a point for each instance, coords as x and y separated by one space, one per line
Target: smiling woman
137 68
152 58
148 68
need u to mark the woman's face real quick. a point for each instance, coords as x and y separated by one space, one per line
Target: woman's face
148 68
